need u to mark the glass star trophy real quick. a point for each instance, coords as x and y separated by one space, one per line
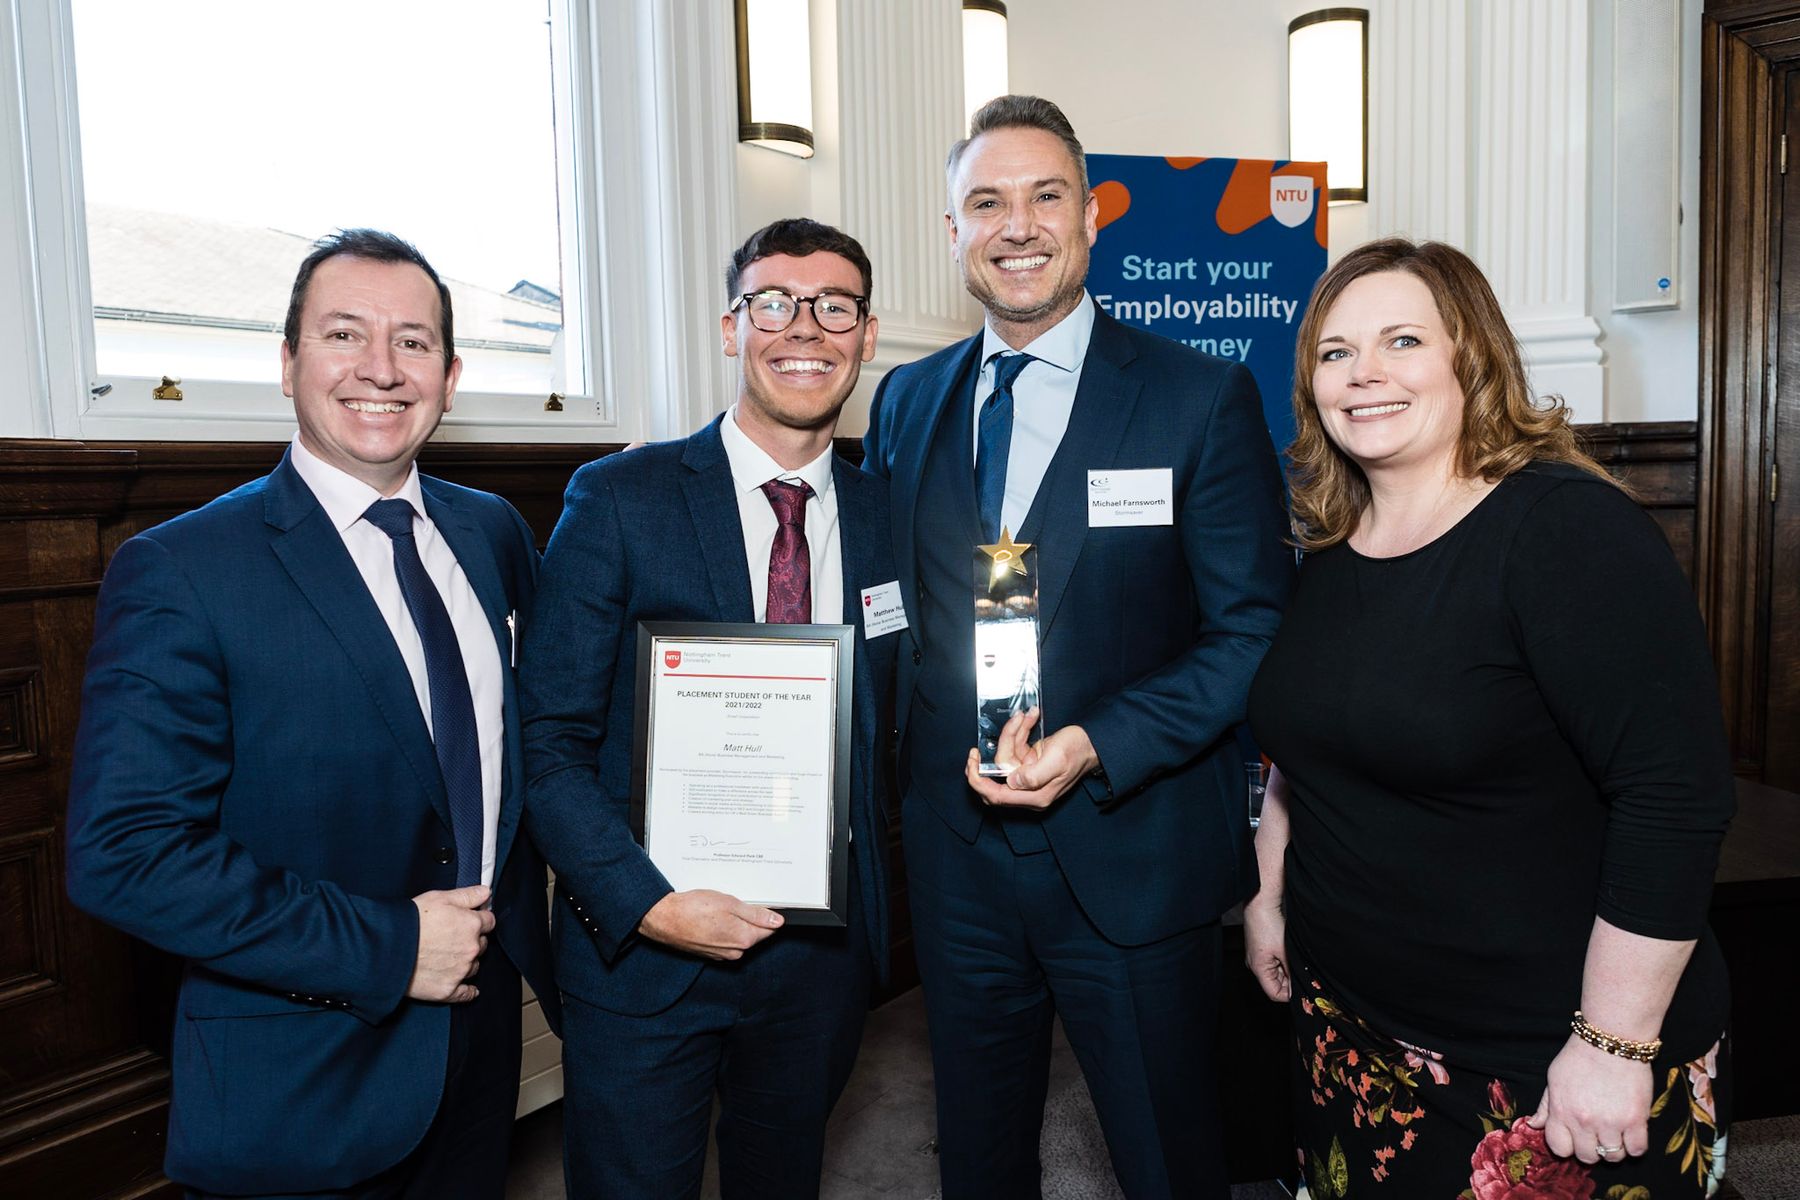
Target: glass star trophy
1006 642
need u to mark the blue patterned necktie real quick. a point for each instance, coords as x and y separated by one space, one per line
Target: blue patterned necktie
994 440
452 709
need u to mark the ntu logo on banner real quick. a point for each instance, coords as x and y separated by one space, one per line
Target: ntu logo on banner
1291 199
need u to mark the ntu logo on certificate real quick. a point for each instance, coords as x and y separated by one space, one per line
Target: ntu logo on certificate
671 659
1291 199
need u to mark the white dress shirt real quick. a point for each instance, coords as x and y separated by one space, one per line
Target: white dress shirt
751 467
345 499
1043 398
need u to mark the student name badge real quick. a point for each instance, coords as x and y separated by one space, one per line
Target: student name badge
1123 498
1006 643
883 612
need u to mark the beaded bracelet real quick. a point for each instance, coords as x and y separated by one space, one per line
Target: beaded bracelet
1612 1043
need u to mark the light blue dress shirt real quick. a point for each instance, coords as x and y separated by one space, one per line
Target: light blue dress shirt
1043 398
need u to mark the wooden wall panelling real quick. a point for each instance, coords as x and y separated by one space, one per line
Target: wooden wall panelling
1656 460
82 1084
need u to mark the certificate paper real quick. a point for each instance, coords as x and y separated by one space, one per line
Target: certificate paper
741 777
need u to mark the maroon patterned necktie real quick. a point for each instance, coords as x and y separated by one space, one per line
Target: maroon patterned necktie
790 563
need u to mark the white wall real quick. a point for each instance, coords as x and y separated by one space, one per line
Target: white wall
771 185
1175 77
1652 358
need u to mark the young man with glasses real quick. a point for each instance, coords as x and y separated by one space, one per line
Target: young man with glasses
678 995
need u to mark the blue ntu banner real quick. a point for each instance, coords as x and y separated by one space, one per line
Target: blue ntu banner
1217 253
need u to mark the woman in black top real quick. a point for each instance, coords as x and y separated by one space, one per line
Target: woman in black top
1489 847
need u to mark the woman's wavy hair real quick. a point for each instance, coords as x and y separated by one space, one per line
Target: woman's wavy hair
1503 427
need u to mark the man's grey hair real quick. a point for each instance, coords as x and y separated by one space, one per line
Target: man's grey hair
1019 112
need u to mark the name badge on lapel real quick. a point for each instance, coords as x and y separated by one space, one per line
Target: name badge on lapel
1118 498
883 612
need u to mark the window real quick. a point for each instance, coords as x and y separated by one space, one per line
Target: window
219 139
565 165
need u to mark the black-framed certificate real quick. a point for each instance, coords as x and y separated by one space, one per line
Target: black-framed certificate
741 761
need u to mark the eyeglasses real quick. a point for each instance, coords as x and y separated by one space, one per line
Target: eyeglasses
773 311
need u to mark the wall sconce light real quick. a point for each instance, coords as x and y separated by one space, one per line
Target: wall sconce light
1328 97
774 62
984 54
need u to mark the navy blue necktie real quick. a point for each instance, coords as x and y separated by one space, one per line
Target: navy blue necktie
994 440
452 709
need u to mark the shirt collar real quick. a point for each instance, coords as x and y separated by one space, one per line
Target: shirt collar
751 466
1064 345
343 496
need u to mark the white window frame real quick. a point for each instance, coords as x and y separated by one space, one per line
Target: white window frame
647 93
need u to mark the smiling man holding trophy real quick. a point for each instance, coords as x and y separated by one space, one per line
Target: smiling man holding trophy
1113 499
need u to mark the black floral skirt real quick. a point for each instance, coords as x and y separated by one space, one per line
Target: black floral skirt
1379 1117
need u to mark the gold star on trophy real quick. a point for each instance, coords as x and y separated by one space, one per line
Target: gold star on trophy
1008 555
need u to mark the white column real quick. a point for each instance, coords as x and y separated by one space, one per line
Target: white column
1478 136
667 128
1419 120
899 109
1529 224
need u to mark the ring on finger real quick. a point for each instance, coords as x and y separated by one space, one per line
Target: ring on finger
1603 1151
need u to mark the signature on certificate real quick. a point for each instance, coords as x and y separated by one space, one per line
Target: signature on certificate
700 840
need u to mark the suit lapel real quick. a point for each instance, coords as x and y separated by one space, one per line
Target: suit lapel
312 552
712 505
857 532
475 555
1103 406
935 397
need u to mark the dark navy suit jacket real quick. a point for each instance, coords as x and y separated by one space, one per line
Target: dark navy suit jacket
1148 636
255 790
653 534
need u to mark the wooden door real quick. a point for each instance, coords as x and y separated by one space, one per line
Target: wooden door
1747 568
1781 660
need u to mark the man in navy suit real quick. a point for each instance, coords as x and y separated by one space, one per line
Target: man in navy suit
298 769
673 996
1089 882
